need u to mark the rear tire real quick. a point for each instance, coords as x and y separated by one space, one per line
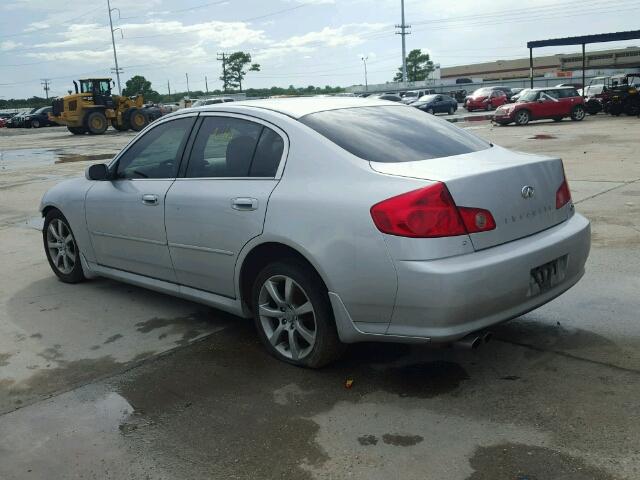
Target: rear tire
61 248
578 113
77 130
523 117
451 110
291 307
96 123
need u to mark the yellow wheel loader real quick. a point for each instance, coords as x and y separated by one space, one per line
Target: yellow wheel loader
92 108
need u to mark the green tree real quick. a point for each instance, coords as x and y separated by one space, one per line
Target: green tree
419 66
235 70
138 84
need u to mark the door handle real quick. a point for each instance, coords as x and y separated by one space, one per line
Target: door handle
149 199
244 203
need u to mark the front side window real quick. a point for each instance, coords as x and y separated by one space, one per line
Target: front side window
104 86
233 147
85 86
392 134
157 154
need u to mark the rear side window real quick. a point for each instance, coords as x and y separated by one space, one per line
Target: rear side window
233 147
268 154
568 93
391 134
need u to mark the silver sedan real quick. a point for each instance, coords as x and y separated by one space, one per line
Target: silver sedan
328 220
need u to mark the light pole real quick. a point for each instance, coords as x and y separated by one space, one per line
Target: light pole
366 83
113 42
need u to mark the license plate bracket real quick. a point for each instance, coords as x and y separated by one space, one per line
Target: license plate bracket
544 277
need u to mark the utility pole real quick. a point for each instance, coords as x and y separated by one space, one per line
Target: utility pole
404 31
366 83
113 42
223 58
206 85
168 87
188 92
45 84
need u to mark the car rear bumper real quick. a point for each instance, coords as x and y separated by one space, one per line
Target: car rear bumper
444 300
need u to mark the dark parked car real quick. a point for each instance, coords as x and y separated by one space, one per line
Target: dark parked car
389 96
17 120
540 103
39 118
436 104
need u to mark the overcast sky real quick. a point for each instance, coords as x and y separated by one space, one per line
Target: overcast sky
299 42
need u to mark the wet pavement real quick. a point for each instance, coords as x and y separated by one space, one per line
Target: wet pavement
105 380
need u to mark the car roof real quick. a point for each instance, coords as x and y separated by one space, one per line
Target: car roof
538 89
296 107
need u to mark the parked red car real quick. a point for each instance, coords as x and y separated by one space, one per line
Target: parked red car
485 99
3 122
540 103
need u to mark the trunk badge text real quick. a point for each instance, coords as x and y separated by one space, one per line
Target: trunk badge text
528 191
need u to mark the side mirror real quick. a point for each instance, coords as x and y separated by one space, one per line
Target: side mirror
99 171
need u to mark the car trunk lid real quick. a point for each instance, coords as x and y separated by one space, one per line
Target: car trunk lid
518 189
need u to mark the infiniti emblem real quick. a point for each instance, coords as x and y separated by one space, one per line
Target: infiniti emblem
527 191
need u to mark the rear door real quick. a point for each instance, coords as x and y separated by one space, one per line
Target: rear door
220 201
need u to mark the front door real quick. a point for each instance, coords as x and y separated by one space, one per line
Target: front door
221 202
125 216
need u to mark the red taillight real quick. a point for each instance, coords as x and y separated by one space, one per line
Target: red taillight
563 195
427 213
477 219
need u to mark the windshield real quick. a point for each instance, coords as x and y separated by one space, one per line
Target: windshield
427 98
529 96
411 94
482 91
391 134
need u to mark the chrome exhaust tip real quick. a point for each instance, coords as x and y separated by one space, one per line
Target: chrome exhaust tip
470 342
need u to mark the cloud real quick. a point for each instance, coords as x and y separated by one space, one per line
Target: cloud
9 45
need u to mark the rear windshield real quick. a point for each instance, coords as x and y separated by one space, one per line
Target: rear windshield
392 134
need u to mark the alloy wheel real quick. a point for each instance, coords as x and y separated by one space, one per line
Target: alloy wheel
61 245
287 317
523 117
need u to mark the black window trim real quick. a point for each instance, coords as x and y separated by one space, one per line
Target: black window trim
242 116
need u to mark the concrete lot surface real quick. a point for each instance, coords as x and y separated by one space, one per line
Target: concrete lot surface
106 380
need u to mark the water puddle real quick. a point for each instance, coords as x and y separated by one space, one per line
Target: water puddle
35 157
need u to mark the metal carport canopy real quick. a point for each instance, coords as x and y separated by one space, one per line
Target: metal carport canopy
581 40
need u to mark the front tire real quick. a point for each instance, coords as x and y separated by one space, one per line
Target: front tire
35 123
578 113
136 119
430 111
96 123
523 117
77 130
61 248
293 315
